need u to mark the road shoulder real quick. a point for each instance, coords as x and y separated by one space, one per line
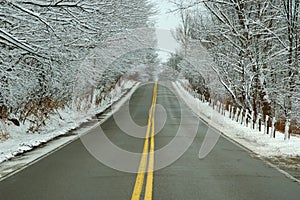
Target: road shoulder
27 158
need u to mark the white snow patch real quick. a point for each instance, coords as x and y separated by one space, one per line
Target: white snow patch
254 140
19 141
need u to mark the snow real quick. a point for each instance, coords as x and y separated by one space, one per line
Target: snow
12 166
19 141
257 142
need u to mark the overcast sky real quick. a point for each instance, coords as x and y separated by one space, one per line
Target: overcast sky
164 18
166 23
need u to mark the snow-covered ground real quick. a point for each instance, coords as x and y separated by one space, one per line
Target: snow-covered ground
19 141
256 141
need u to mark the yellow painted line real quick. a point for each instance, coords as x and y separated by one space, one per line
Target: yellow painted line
136 195
141 172
149 183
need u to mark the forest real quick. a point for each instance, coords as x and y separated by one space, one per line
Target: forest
254 48
44 44
250 48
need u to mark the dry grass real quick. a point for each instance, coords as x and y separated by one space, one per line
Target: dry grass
38 111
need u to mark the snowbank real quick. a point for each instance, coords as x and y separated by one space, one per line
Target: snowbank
254 140
20 141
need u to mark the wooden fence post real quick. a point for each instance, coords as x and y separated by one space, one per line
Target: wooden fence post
237 114
246 118
266 128
287 128
242 117
273 128
258 122
252 120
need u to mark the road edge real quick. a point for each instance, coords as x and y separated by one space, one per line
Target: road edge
80 129
252 153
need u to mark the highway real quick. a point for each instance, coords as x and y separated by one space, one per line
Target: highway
228 172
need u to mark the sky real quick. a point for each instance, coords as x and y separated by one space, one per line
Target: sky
164 18
166 23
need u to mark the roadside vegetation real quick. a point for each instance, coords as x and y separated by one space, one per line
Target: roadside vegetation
43 45
253 48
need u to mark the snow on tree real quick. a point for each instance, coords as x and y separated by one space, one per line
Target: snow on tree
254 45
43 44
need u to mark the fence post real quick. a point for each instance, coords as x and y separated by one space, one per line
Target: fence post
246 118
258 122
252 120
239 112
241 116
266 125
273 128
287 128
215 105
221 108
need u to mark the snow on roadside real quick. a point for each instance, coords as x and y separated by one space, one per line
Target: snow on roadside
20 141
254 140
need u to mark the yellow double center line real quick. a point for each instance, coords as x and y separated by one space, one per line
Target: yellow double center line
147 157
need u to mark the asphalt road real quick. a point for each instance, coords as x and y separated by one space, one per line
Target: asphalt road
228 172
